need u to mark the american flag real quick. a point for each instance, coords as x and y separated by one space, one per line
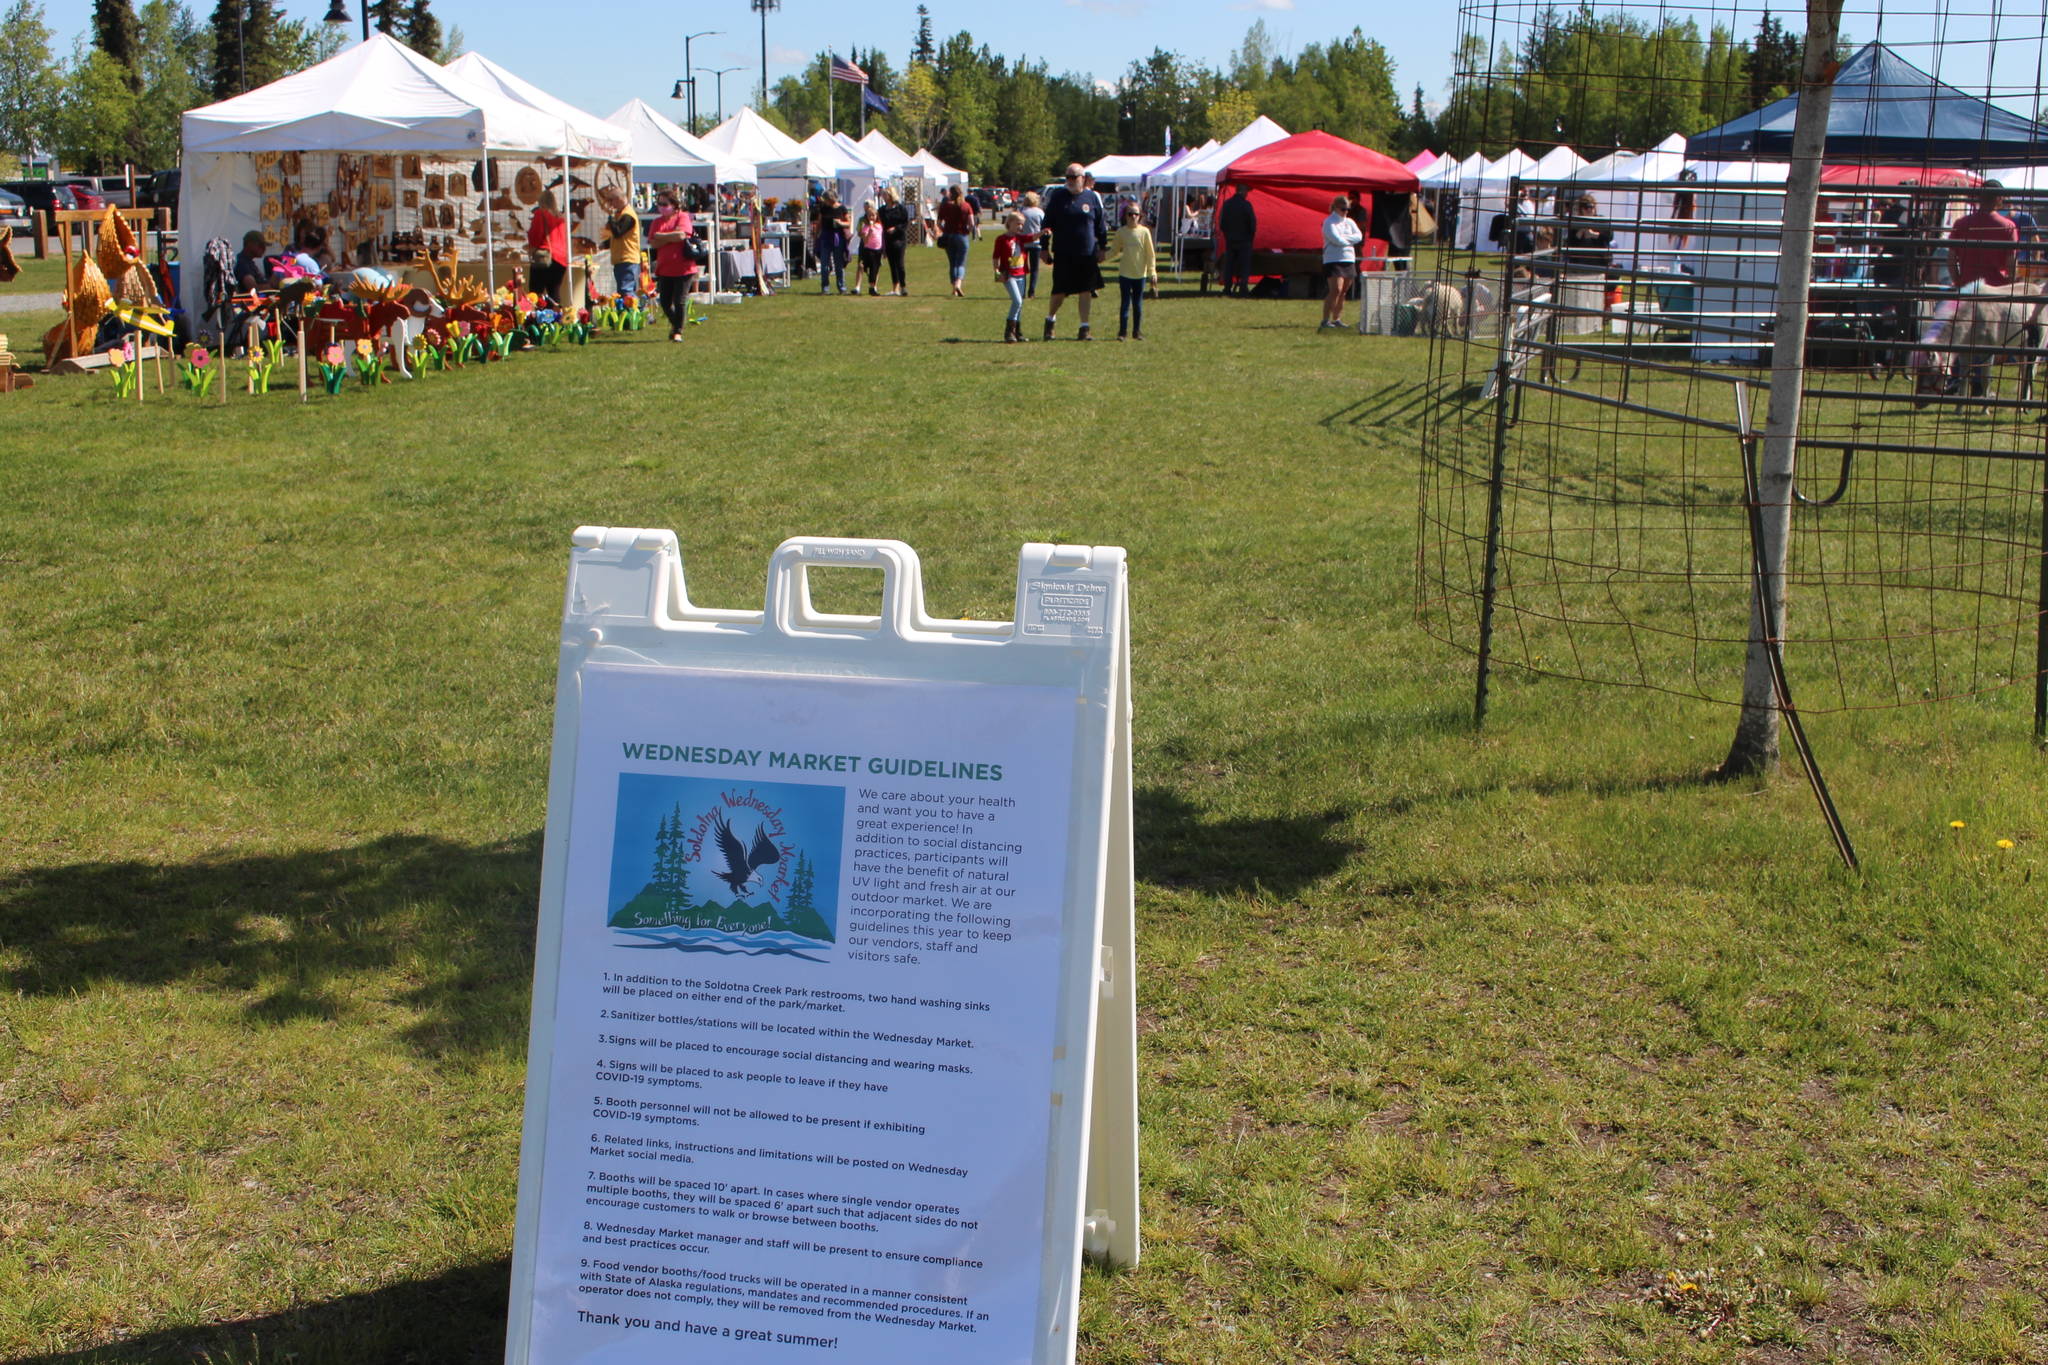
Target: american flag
843 70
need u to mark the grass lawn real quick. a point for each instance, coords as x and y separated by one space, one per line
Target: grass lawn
1519 1045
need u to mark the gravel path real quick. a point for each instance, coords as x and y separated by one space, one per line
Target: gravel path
29 303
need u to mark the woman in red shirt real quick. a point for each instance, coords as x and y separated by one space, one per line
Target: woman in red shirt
675 269
547 248
957 223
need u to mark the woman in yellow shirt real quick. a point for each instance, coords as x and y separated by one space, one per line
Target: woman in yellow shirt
1137 265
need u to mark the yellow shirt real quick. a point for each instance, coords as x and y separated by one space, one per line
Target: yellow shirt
1136 259
626 246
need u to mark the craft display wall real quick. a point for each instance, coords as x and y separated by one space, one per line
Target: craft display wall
405 202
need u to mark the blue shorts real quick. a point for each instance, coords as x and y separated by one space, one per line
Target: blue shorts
626 278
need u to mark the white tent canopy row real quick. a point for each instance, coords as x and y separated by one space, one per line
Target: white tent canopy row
664 154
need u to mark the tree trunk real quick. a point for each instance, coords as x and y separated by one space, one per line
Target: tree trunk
1755 749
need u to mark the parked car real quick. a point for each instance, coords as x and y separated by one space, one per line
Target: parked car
115 190
12 205
159 191
44 195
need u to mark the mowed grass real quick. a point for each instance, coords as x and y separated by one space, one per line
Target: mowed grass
1514 1045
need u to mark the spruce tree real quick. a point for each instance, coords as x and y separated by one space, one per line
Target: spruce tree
229 48
385 16
422 31
114 32
924 50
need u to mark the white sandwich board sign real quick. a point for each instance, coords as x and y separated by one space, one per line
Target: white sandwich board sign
833 1054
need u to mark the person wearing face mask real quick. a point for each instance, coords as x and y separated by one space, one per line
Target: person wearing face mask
675 268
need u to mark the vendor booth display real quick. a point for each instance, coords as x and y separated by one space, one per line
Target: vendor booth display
1291 183
1483 197
1885 113
382 156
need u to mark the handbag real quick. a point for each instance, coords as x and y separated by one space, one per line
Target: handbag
1421 222
540 258
698 250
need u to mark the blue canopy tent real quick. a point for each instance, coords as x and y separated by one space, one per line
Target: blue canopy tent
1887 111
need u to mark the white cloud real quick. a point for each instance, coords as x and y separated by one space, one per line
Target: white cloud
787 56
1268 6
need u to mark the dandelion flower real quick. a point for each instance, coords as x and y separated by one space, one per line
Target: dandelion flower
1957 824
2005 843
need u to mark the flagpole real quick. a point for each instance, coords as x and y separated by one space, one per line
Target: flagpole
831 121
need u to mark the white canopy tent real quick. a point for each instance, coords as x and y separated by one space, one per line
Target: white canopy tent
1443 172
589 136
338 122
1122 170
886 153
1613 182
1484 194
938 172
854 175
780 162
878 166
663 154
1201 172
1556 164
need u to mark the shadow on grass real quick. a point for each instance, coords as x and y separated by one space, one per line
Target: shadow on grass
291 927
452 1319
1178 846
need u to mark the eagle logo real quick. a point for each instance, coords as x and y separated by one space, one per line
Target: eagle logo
742 862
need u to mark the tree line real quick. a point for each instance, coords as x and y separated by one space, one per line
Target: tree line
117 99
1592 79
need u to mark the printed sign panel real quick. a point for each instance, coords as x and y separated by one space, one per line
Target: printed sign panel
804 1020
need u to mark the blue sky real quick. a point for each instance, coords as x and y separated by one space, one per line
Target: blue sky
584 56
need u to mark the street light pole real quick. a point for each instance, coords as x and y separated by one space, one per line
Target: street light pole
763 8
719 74
689 69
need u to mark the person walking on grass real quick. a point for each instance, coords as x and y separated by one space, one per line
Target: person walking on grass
1341 236
958 225
1034 224
675 269
1014 254
835 230
1137 266
1075 240
895 216
870 234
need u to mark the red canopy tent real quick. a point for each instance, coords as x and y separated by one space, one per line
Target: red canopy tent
1293 180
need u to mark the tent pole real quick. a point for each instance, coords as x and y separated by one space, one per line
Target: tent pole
568 219
490 232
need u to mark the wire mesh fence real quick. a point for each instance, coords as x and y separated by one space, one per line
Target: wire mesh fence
1604 324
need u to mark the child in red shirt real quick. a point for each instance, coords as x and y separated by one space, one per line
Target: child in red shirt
1013 270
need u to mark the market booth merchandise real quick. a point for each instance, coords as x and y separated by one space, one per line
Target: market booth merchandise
390 155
